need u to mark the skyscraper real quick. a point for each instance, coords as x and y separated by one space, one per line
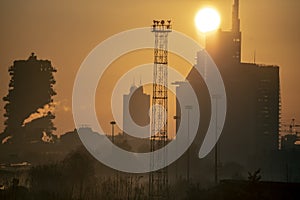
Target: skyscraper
225 46
253 98
136 106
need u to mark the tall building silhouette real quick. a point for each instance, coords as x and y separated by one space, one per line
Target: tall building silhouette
138 110
253 98
29 107
225 46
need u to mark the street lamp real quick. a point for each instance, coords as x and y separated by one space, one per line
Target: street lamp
216 97
176 118
188 108
112 131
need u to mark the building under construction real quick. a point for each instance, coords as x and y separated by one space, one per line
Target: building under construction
29 107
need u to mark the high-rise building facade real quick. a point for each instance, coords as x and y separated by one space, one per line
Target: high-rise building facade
136 107
253 99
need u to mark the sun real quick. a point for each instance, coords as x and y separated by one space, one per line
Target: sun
207 19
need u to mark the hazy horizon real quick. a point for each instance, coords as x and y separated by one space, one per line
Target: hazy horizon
64 32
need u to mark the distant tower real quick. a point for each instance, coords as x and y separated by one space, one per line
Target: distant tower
225 46
30 93
158 180
235 17
138 108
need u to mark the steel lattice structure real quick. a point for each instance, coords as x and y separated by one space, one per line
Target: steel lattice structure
158 180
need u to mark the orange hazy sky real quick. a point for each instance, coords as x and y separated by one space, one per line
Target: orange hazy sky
66 31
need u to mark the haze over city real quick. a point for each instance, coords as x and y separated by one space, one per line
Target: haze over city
152 100
65 32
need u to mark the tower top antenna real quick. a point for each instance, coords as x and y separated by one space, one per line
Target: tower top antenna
235 17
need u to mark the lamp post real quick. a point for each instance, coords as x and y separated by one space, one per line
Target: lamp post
216 97
176 118
188 108
113 131
116 181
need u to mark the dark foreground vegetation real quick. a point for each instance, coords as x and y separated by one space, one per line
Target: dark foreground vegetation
79 177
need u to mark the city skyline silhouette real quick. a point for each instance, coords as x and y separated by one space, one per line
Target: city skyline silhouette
272 43
61 105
